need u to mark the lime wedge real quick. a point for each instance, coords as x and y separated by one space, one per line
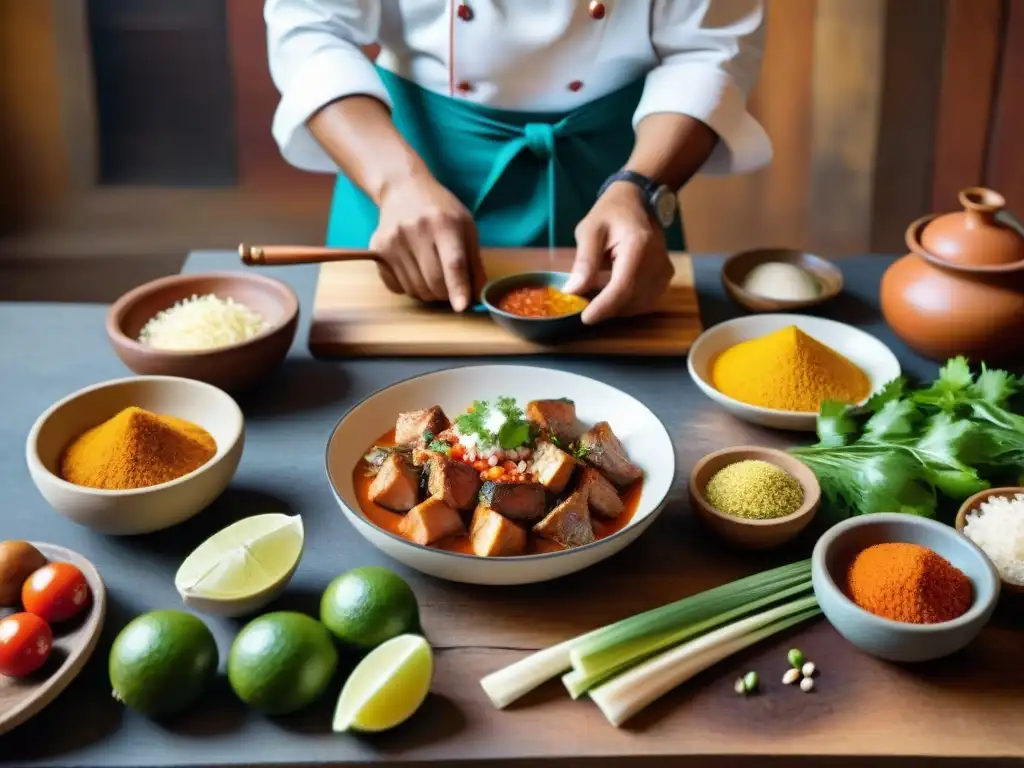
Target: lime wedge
246 559
387 686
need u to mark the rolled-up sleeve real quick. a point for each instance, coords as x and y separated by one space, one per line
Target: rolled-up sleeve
709 57
315 58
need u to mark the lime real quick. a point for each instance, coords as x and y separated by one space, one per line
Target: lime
368 606
245 559
282 662
162 662
387 686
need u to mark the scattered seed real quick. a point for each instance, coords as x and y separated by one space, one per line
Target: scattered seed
791 676
808 669
750 681
740 686
807 684
796 658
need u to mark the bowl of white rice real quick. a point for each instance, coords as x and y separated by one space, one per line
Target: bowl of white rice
228 329
994 520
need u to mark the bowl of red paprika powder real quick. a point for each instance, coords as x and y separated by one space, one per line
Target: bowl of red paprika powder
926 591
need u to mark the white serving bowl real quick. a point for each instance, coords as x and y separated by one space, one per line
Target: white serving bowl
142 510
861 348
642 434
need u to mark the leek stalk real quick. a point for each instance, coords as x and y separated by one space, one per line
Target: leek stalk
624 695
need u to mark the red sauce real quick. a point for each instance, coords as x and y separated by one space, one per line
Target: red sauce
389 521
540 301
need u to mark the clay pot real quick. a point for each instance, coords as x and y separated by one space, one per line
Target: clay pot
961 289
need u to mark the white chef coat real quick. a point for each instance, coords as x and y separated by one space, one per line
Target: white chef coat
698 58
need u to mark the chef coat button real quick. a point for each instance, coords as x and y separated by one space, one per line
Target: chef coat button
597 10
576 85
465 12
465 86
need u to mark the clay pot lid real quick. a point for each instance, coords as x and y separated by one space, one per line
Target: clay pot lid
974 237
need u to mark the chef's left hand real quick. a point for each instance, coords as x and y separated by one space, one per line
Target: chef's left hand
620 226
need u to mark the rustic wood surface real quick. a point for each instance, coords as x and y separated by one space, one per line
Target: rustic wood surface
72 647
862 712
355 315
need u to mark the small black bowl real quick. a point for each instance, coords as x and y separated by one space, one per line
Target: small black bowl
539 330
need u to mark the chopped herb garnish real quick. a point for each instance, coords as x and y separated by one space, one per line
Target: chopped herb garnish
578 450
435 445
515 430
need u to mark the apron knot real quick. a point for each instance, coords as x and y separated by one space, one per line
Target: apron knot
540 138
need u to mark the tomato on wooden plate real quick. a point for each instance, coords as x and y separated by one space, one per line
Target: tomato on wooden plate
25 644
56 592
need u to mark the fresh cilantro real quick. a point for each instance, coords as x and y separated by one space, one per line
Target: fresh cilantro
514 431
906 448
578 450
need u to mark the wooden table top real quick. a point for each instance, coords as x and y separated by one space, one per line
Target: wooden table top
862 709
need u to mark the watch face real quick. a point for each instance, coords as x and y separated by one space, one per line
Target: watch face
665 206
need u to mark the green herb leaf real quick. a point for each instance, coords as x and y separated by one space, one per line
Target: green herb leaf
894 419
513 435
893 390
835 423
994 386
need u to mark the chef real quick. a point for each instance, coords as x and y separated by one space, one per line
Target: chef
516 123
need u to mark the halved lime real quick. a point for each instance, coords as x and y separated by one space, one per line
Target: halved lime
387 686
248 559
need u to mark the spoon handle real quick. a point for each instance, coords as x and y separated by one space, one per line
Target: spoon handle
283 255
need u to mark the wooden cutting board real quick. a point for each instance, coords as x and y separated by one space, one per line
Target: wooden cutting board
354 315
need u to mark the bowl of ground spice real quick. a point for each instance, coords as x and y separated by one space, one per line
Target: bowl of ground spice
777 369
136 455
533 306
903 588
228 329
753 497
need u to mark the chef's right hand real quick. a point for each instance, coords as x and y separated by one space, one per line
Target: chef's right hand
428 242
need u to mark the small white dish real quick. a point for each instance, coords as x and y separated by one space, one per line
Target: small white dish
861 348
644 437
141 510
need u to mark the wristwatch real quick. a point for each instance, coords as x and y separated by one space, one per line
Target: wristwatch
659 198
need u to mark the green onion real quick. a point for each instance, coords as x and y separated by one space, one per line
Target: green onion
690 610
592 658
626 694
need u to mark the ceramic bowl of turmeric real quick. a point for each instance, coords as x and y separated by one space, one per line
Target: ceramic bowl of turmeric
775 370
903 588
136 455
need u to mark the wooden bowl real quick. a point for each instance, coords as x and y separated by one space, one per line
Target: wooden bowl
971 505
233 368
21 699
738 266
754 534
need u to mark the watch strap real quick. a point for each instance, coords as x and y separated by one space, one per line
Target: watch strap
648 186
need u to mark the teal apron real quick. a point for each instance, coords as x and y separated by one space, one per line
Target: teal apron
528 178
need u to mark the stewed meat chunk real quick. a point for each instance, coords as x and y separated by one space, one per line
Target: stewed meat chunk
553 467
493 535
568 523
603 450
396 485
555 417
431 521
516 500
457 483
412 424
602 497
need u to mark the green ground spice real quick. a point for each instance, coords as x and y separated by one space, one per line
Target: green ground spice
756 490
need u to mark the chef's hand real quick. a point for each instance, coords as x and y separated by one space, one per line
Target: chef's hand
428 242
620 226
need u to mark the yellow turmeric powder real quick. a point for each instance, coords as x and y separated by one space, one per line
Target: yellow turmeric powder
787 370
136 449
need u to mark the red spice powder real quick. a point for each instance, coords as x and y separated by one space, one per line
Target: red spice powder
909 583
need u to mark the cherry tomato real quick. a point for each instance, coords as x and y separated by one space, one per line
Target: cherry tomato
25 643
56 592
